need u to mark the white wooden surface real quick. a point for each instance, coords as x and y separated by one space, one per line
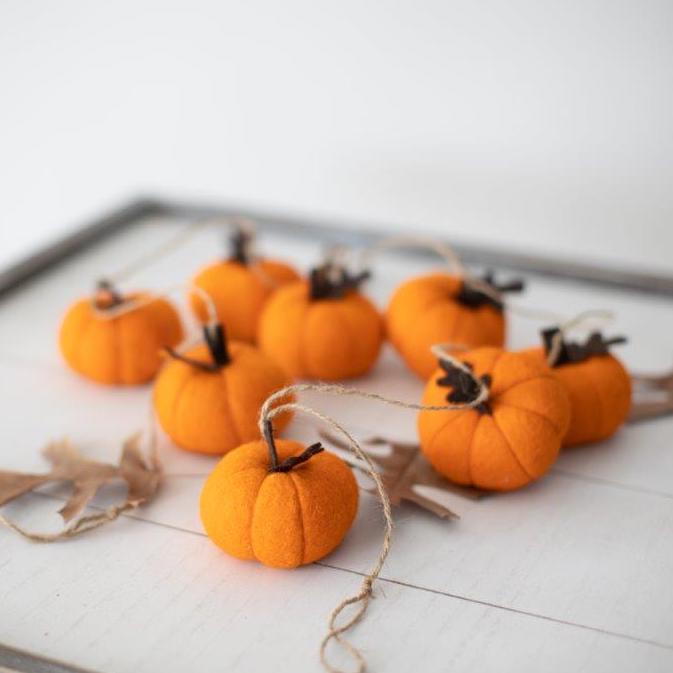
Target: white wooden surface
572 573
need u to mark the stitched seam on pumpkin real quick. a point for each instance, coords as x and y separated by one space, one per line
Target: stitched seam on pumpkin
301 517
470 449
228 411
81 341
443 426
535 413
601 407
252 518
352 334
176 405
301 341
511 448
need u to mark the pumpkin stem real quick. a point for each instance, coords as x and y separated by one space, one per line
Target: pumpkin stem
291 462
241 246
333 281
473 297
216 341
107 296
572 351
217 344
465 386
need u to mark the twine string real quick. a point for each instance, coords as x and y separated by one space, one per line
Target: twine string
456 267
274 405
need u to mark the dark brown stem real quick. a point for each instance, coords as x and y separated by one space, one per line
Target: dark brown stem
333 282
106 287
465 386
474 297
291 462
570 351
216 341
240 242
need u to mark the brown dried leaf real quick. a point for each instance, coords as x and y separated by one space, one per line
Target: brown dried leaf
142 479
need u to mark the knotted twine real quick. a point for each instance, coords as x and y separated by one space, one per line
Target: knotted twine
269 411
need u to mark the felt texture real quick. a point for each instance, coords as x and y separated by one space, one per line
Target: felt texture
599 389
122 350
328 339
424 311
239 292
283 520
216 411
514 444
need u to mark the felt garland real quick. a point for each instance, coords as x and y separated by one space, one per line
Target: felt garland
228 507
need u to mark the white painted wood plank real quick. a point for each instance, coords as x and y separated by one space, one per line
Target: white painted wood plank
141 598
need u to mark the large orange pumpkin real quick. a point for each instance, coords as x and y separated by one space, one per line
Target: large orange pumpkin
323 328
598 385
508 441
279 503
444 308
208 399
239 287
117 339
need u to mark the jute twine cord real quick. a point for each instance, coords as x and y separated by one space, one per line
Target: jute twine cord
584 320
269 411
81 525
134 304
456 267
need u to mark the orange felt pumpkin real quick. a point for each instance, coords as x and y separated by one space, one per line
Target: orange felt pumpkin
598 385
208 399
444 308
279 503
508 441
323 328
117 339
239 287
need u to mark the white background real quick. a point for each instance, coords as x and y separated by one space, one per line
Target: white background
532 124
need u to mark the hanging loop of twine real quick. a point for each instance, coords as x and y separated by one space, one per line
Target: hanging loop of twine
274 405
585 320
455 266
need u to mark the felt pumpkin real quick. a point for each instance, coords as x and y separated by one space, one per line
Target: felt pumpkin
117 339
279 503
598 385
322 328
239 287
508 441
444 308
208 399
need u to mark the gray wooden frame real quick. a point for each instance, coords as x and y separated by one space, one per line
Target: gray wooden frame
353 233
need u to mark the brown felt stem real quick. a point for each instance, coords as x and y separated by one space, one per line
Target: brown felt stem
270 442
105 286
216 341
240 247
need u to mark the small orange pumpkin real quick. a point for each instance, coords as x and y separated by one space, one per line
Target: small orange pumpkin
279 503
444 308
239 287
598 385
508 441
323 328
103 341
208 399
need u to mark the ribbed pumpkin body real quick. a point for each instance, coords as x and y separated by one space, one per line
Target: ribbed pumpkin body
239 292
283 520
216 411
512 444
425 311
599 389
121 350
328 339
